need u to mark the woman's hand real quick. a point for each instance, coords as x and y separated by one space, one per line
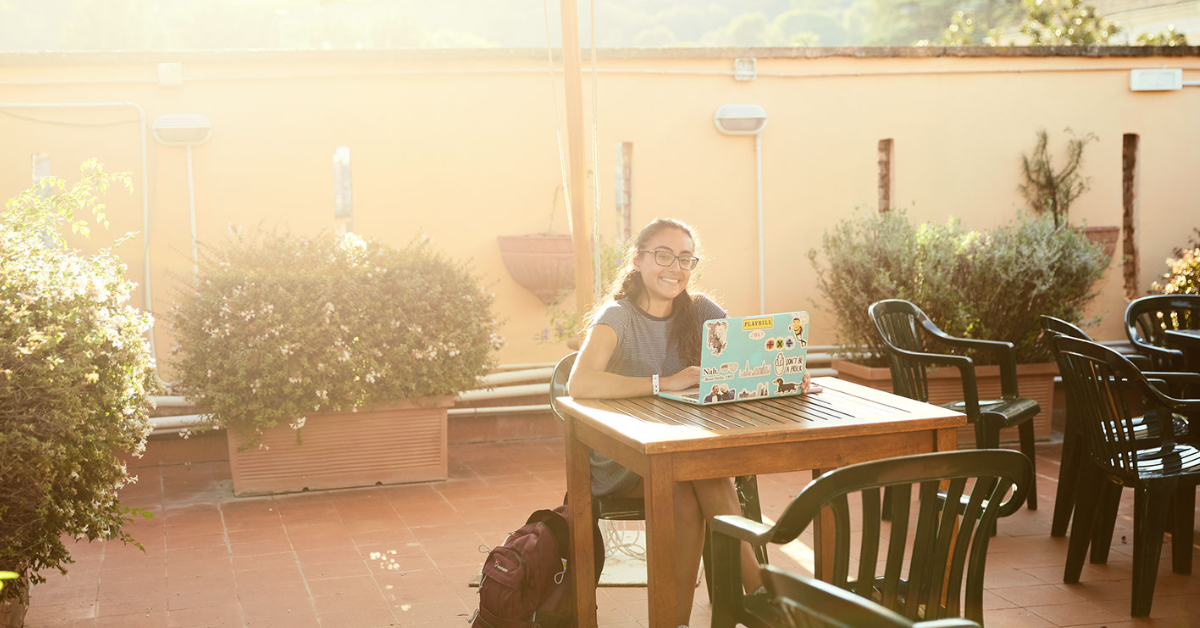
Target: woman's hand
806 383
683 380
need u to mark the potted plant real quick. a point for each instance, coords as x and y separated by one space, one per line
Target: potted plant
543 263
75 380
1051 191
331 361
991 285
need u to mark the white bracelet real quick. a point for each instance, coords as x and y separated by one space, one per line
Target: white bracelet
654 381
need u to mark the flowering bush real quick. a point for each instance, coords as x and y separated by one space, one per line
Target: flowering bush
1183 271
75 374
991 285
280 326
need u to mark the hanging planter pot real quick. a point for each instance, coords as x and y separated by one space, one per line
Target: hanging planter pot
1105 236
543 263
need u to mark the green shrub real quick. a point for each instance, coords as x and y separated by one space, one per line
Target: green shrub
1012 276
75 375
881 255
971 284
281 326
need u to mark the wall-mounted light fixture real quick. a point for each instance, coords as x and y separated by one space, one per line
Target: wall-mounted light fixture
185 129
749 120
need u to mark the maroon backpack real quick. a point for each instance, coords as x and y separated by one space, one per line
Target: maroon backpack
527 582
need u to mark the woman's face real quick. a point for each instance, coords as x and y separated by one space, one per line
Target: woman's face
665 282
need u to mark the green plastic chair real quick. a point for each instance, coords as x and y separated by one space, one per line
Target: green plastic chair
1148 317
808 603
1164 473
950 539
904 327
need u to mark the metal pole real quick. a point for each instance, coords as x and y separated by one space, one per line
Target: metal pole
192 215
762 280
573 81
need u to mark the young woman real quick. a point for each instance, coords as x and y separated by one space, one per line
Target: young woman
650 325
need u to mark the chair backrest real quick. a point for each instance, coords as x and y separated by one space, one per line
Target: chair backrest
952 532
1058 326
1148 317
810 603
1097 378
898 322
558 382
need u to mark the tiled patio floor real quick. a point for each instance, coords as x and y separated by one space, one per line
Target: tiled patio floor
403 555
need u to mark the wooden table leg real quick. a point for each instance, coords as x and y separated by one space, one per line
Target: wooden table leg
579 495
946 439
823 544
659 490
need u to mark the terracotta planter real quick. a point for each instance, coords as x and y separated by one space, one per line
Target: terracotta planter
385 444
1104 236
543 263
12 612
1035 381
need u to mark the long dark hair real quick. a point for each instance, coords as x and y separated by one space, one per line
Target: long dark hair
685 330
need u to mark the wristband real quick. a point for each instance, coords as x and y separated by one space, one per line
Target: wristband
654 381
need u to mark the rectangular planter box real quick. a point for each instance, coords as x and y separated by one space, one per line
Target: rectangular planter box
1035 381
384 444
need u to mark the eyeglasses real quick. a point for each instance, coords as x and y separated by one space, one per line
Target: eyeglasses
666 258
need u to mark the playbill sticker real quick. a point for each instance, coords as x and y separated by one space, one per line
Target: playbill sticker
764 322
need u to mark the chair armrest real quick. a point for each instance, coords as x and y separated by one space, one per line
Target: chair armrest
742 528
1140 361
1179 384
1159 355
1006 355
966 368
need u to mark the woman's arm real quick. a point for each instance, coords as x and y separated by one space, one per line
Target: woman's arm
589 380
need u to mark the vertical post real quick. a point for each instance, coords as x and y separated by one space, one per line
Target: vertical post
573 81
885 175
762 266
624 172
1129 253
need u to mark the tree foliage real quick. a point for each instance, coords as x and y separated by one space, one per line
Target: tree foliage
75 375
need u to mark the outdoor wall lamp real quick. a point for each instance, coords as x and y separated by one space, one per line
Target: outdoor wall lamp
185 129
749 120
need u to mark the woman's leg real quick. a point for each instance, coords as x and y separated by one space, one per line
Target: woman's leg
718 497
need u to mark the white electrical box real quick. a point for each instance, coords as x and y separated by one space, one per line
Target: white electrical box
1156 80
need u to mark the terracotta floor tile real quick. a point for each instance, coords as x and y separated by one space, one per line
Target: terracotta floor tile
1075 614
156 619
291 620
134 603
1038 595
430 611
416 587
199 597
222 616
280 603
1013 618
335 569
351 585
257 562
71 610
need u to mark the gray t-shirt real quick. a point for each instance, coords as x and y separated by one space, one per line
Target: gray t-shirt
641 351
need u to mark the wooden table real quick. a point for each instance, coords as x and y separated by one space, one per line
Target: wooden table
1187 341
666 442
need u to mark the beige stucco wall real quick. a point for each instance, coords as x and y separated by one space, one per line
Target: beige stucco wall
462 147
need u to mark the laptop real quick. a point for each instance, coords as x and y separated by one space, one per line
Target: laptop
749 357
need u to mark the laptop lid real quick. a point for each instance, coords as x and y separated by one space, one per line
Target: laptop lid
750 357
